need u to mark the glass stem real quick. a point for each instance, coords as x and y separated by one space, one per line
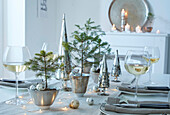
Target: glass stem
150 73
103 90
137 79
16 77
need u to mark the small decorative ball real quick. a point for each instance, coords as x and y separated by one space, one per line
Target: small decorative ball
74 104
90 101
96 88
40 87
32 87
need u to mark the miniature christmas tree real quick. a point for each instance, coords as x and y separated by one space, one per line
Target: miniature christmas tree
87 44
43 64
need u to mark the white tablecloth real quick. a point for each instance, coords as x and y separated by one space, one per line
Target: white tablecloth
64 98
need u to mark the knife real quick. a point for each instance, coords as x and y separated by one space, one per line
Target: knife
162 88
155 105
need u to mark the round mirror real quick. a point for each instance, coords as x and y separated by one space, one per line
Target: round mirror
137 12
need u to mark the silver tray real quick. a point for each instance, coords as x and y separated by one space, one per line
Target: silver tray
137 12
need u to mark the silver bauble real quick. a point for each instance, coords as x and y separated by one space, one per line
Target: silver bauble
90 101
40 87
32 87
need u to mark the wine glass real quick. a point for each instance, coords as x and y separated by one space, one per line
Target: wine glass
136 64
13 60
154 54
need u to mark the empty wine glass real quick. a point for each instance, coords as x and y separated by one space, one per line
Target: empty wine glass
13 60
136 64
154 55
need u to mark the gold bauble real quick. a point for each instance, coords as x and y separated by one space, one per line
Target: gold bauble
74 104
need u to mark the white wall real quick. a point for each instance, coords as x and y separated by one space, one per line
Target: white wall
78 11
162 15
16 22
1 35
39 30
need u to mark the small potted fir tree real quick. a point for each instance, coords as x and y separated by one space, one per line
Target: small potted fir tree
83 47
102 48
44 64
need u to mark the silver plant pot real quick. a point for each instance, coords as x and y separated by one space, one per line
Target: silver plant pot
87 69
43 99
79 84
95 77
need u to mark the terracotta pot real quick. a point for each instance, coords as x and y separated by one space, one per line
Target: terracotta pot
148 29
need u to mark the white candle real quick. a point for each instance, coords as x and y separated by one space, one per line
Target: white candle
127 27
158 32
138 29
113 27
123 12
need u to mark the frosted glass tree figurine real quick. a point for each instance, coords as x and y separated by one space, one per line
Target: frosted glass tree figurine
116 70
66 60
103 77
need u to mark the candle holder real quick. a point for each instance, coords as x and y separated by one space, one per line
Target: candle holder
123 21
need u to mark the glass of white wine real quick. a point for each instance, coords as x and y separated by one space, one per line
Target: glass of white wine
136 64
13 60
154 56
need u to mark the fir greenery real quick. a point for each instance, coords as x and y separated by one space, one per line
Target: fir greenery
44 63
87 44
150 17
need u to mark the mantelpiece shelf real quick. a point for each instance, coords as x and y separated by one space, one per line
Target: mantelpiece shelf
124 41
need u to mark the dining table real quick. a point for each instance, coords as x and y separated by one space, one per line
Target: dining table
63 99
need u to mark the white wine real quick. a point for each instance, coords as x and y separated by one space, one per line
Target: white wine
136 69
153 60
15 67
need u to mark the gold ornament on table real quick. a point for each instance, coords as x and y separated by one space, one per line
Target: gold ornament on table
103 77
116 70
74 104
66 60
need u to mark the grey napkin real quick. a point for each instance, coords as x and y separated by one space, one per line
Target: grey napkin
112 100
127 89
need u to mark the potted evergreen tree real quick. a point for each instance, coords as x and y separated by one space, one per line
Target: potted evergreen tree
44 63
85 45
102 48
